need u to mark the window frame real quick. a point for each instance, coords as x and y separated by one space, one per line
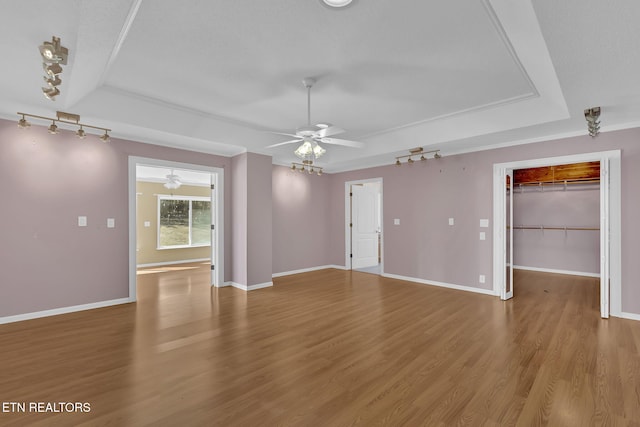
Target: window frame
190 199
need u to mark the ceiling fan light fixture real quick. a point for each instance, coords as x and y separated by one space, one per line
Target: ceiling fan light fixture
304 150
318 150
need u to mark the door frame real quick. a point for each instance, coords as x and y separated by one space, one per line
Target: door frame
347 215
217 216
610 222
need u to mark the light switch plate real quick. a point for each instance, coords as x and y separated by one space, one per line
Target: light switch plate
396 221
451 221
111 223
147 223
82 221
484 223
483 235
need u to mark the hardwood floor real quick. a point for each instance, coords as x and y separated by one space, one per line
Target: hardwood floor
329 348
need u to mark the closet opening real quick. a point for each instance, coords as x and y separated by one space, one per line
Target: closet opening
554 222
558 240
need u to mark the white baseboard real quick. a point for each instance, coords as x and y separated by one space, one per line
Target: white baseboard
62 310
551 270
631 316
306 270
250 287
441 284
184 261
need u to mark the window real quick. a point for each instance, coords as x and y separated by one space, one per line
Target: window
184 221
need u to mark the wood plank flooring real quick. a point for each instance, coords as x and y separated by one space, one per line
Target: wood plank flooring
329 348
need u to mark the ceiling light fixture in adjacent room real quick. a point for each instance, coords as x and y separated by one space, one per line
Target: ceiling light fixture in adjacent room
593 124
173 181
67 119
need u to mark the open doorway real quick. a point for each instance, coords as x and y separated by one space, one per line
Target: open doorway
363 225
175 220
608 226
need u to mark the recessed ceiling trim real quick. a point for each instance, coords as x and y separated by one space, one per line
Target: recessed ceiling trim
178 107
124 31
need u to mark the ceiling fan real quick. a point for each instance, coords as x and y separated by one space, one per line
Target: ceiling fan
310 135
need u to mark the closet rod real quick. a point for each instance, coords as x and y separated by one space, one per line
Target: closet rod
561 182
542 227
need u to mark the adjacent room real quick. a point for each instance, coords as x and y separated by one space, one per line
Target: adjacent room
320 213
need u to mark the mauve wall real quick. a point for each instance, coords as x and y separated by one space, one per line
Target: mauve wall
259 219
573 250
300 219
423 196
46 260
239 219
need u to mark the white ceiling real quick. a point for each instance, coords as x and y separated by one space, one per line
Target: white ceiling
159 174
213 76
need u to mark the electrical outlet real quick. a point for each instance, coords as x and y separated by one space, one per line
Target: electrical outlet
82 221
451 221
483 235
482 279
396 221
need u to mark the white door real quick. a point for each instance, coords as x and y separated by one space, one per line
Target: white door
364 226
507 291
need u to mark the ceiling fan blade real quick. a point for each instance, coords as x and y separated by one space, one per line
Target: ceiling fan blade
282 133
283 143
331 130
344 142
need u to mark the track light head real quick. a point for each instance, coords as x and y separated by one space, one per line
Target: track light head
437 155
52 81
51 70
53 53
81 133
53 129
50 92
410 160
23 123
105 137
319 172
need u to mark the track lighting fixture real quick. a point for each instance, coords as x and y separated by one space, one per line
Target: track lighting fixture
53 54
306 164
67 119
593 124
417 152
